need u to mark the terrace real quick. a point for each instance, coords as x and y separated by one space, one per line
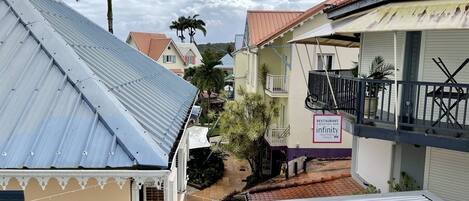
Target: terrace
428 113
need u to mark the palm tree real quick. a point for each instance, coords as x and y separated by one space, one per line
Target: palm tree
109 16
208 78
195 24
180 25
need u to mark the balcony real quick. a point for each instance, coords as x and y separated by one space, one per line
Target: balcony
277 137
276 86
429 113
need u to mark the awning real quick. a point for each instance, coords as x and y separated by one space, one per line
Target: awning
413 16
327 34
198 137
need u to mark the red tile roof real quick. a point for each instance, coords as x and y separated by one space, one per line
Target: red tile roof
263 24
151 44
324 178
326 187
270 28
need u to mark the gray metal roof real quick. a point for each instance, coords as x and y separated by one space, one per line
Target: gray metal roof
72 95
227 62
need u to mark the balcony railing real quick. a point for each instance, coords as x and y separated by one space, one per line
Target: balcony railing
424 107
276 84
277 137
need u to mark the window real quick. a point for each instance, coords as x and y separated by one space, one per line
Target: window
169 58
327 59
11 196
190 59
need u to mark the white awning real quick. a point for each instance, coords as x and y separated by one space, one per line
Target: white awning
413 16
326 34
198 137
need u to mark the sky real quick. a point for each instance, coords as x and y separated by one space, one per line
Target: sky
224 18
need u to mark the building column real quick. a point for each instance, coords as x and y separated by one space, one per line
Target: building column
135 192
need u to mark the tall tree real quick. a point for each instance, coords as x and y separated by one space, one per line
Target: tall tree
195 24
109 16
243 124
208 78
180 25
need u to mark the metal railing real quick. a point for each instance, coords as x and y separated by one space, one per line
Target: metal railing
430 107
345 91
277 136
276 83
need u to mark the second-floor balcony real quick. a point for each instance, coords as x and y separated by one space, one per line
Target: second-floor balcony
427 113
276 85
277 137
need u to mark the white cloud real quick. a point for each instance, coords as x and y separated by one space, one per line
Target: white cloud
224 18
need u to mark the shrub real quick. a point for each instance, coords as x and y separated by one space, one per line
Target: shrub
204 169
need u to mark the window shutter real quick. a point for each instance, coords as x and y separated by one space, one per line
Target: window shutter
193 59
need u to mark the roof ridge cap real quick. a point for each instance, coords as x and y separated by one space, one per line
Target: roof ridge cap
114 115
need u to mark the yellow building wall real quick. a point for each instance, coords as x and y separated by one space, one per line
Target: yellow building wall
73 191
172 51
240 72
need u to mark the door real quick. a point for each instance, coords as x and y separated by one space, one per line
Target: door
410 74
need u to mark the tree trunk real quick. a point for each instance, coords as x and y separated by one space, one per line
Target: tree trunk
109 16
208 100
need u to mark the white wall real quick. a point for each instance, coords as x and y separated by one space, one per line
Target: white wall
304 60
374 162
172 51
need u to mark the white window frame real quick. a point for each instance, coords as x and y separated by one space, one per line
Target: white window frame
325 59
169 59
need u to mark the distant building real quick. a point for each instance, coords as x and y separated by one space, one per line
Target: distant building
160 48
227 64
267 64
190 53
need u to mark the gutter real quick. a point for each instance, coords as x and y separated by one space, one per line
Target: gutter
184 133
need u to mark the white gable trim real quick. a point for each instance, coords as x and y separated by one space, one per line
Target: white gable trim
118 120
157 177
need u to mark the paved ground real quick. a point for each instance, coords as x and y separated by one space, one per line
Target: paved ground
232 181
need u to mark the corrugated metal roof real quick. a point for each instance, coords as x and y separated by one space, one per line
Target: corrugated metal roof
263 24
48 121
227 62
413 16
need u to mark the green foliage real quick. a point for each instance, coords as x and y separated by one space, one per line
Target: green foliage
219 48
379 70
244 123
194 24
180 25
263 74
205 167
406 183
208 78
370 189
189 73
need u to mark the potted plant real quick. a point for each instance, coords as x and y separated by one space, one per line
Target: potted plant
379 70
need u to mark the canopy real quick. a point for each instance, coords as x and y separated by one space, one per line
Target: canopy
413 16
198 137
327 34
